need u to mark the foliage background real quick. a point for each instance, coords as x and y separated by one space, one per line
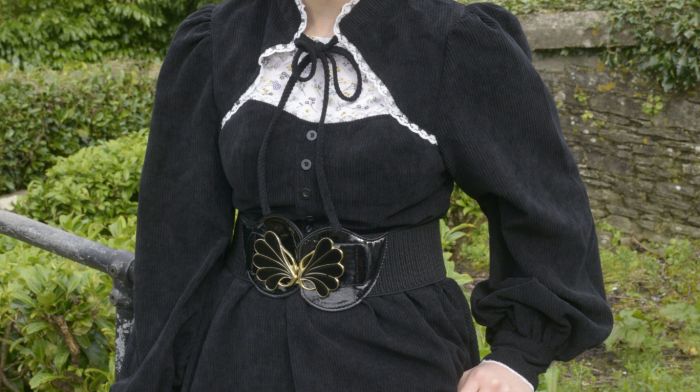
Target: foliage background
45 114
55 316
55 32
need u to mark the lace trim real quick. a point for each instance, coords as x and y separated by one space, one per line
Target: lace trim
267 52
364 67
394 111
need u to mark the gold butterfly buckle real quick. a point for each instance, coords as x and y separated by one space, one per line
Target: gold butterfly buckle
319 269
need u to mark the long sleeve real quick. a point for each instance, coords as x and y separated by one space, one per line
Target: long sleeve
500 136
185 212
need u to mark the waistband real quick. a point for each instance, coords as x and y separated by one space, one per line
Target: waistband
410 257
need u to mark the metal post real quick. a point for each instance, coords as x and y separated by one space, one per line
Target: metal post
115 262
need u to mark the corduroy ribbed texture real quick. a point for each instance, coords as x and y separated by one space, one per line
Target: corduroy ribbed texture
410 253
466 76
501 137
185 210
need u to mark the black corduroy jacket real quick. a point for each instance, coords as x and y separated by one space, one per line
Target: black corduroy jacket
463 75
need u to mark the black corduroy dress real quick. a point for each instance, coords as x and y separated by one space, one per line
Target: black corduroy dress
418 339
460 102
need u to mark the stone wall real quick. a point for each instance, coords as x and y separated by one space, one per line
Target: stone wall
641 163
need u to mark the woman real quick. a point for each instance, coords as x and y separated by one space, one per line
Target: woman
337 129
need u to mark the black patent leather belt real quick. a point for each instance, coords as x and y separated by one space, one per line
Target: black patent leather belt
334 269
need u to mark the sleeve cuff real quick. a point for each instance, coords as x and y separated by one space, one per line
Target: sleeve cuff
519 362
532 387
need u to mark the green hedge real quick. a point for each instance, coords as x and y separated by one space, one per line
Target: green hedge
47 114
55 314
53 32
98 182
56 320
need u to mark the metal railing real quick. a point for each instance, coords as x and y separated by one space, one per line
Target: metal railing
117 263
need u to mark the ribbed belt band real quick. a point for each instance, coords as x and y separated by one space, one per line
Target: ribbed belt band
412 258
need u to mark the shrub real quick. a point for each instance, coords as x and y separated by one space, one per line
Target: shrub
98 182
57 320
53 32
48 114
55 314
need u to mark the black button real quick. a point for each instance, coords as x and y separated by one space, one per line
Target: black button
306 164
308 227
305 193
311 134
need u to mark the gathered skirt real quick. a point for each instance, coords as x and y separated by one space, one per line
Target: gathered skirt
422 339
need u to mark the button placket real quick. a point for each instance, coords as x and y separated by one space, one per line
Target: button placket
306 164
312 51
305 185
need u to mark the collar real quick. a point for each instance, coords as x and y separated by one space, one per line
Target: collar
294 13
245 30
354 15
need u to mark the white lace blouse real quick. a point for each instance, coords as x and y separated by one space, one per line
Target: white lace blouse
306 98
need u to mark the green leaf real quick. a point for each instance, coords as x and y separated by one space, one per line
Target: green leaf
35 327
42 378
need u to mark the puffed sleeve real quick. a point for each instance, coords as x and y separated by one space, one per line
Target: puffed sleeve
500 136
185 212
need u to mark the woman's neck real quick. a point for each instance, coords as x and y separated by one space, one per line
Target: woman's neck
321 15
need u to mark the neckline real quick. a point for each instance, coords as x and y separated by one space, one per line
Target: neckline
354 22
344 10
301 8
319 37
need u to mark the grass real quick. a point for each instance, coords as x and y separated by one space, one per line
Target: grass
653 290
